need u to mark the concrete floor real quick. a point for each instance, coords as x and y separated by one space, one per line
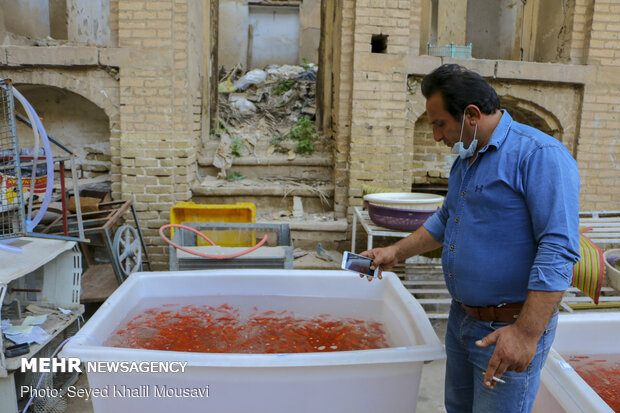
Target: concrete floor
430 397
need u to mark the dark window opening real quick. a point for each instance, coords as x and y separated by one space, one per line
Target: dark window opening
378 43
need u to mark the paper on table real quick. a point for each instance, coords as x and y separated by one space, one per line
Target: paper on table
64 311
18 330
34 320
36 334
6 324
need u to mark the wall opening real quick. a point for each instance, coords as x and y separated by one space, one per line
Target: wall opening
379 43
533 30
77 122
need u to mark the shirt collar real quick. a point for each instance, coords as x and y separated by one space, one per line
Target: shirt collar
501 131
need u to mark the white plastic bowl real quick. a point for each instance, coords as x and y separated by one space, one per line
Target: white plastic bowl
406 200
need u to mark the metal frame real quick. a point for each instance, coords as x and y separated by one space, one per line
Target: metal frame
102 222
371 229
187 238
11 115
15 221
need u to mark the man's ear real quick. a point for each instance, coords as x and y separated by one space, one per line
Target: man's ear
473 112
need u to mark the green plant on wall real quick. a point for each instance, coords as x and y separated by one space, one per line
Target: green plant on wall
234 176
304 132
235 147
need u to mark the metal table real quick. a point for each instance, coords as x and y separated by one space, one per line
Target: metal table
371 228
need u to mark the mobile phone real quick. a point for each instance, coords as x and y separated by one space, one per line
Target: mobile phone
358 264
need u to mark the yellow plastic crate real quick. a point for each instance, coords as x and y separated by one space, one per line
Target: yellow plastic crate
243 212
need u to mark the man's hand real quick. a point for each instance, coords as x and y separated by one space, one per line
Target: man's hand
514 350
384 258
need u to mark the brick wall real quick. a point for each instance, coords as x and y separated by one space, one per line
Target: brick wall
342 102
582 26
598 151
379 97
158 111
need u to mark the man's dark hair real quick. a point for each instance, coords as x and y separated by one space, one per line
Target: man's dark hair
460 87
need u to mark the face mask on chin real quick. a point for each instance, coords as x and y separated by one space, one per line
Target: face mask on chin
459 148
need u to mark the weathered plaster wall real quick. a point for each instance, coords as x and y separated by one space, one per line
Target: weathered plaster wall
233 33
78 123
553 34
276 35
58 19
78 105
89 21
26 17
290 44
493 28
309 30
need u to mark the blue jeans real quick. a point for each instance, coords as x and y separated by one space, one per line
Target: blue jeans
465 390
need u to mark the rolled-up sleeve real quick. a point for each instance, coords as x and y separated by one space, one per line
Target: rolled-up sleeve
551 188
436 223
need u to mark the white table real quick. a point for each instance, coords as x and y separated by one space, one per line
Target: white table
372 229
54 268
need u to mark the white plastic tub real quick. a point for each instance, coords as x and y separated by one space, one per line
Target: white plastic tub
562 389
384 380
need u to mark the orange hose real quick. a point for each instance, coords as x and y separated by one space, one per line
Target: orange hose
219 257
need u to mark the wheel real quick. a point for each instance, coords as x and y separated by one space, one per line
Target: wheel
128 250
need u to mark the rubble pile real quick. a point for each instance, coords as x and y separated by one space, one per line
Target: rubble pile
258 109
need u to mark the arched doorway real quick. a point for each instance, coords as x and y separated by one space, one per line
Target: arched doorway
77 122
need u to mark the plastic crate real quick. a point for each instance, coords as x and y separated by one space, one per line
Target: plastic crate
241 212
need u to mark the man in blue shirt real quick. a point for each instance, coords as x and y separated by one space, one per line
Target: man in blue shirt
509 232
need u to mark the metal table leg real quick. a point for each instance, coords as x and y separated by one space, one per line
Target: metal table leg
354 233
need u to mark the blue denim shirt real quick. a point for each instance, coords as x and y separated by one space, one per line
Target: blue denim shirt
510 221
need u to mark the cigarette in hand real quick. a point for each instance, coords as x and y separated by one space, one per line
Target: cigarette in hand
495 378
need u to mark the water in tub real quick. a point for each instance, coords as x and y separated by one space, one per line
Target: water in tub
602 373
252 324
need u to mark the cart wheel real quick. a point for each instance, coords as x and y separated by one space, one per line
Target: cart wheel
128 250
